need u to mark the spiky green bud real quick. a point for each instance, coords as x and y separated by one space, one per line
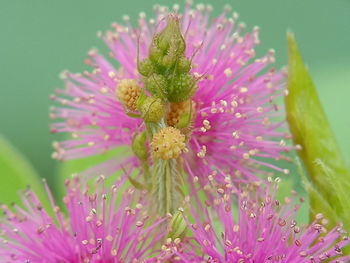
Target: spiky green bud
145 67
157 85
152 109
155 54
166 70
167 47
184 65
170 37
181 88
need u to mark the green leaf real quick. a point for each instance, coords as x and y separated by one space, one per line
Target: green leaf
17 174
329 179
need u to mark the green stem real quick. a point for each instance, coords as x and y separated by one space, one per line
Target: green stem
167 186
164 178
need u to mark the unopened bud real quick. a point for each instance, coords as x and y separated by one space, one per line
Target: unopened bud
168 46
152 109
157 85
170 37
182 88
184 65
145 67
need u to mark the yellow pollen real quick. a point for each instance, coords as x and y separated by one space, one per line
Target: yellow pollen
210 77
234 103
259 109
269 85
207 228
128 92
243 90
168 143
202 152
206 125
235 134
282 143
259 138
228 72
104 90
246 156
266 121
111 74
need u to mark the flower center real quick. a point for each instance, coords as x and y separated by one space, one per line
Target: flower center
168 143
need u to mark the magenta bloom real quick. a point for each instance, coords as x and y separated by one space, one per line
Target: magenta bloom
264 231
97 229
233 105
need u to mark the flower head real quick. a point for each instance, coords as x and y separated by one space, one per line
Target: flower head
264 230
96 229
184 72
168 143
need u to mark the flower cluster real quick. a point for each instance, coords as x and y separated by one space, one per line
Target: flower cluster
182 73
190 99
99 229
96 229
264 230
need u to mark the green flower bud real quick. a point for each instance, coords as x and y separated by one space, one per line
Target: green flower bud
155 54
167 46
169 61
139 146
177 46
182 88
184 65
152 109
171 36
157 85
178 226
145 67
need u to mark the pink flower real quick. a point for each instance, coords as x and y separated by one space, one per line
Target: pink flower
233 108
97 228
263 231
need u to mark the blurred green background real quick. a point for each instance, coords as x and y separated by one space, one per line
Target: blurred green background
41 38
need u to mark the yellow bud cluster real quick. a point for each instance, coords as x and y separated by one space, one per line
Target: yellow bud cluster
176 111
168 143
128 92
